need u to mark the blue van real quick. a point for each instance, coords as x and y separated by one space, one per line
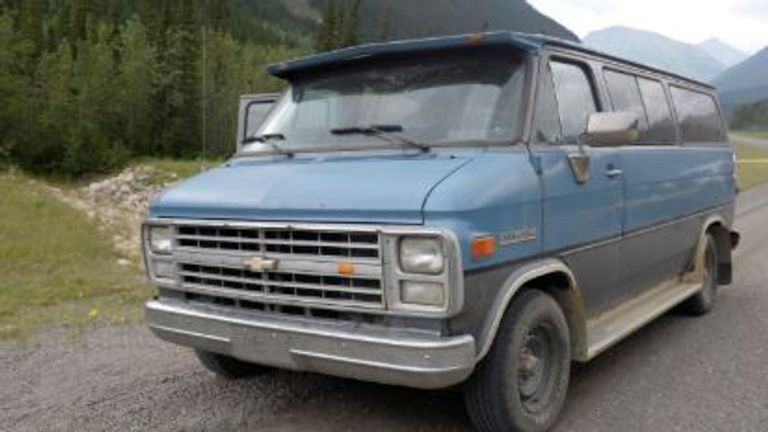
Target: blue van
480 210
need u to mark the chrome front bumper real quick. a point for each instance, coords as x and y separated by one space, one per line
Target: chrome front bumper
386 356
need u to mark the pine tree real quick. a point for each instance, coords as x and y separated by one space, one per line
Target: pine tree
351 29
327 36
386 21
183 128
135 88
31 23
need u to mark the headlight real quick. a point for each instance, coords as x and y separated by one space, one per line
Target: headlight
163 269
161 240
422 255
422 293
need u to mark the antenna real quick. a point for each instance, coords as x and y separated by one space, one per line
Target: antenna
204 101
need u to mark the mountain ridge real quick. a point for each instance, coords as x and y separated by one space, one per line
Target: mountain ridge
719 50
430 18
744 83
656 50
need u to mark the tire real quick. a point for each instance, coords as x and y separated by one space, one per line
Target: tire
229 367
703 302
522 384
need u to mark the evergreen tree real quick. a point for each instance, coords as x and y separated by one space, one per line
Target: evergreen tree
182 132
351 29
135 88
386 21
31 23
87 83
329 28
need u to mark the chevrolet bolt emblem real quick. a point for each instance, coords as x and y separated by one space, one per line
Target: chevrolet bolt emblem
258 264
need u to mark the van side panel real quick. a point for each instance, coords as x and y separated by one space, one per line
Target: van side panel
666 189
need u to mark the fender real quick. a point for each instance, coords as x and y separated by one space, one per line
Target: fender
569 298
718 227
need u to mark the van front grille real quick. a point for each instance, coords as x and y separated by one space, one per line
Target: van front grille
286 288
282 241
214 261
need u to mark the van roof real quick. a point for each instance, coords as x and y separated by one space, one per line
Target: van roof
532 43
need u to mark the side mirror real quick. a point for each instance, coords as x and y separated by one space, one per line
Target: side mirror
614 129
254 110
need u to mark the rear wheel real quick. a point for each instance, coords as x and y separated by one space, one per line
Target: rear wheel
229 367
522 383
704 301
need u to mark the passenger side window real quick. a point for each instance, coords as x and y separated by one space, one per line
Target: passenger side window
547 119
625 96
698 116
661 126
575 98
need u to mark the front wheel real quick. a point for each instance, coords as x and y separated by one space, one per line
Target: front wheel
229 367
521 385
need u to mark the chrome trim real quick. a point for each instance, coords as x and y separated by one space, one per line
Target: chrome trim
390 356
667 223
384 267
642 231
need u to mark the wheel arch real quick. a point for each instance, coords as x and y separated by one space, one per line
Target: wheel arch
717 227
555 278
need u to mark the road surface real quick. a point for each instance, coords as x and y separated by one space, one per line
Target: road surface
678 374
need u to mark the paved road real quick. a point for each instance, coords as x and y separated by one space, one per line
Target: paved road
680 373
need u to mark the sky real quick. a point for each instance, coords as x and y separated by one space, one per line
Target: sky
740 23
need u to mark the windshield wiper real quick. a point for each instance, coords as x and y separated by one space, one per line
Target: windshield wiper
269 140
388 133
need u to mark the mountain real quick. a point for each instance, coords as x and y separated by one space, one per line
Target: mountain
656 50
745 83
424 18
723 52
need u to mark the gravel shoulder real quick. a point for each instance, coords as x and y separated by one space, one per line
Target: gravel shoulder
679 373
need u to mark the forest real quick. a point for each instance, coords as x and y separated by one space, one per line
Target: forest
86 85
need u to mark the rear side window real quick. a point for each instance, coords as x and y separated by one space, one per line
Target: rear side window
698 116
661 126
647 99
575 98
625 96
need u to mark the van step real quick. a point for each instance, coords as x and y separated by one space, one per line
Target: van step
614 325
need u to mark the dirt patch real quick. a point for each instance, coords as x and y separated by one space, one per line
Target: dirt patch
119 205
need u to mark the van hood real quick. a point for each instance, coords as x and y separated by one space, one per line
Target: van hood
381 189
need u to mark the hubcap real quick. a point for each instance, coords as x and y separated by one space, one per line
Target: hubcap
534 362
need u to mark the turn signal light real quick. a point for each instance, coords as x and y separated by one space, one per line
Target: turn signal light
483 247
346 269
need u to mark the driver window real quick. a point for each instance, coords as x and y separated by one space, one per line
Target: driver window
547 120
575 98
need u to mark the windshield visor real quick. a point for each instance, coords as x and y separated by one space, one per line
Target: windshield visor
438 99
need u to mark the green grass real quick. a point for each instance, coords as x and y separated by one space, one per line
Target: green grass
56 266
751 174
751 134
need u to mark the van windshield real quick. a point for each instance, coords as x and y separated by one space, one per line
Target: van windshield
468 97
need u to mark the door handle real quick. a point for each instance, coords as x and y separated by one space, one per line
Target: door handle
613 172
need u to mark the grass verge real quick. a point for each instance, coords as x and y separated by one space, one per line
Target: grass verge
56 266
753 165
751 134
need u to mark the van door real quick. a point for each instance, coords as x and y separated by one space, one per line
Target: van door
666 184
254 110
582 217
